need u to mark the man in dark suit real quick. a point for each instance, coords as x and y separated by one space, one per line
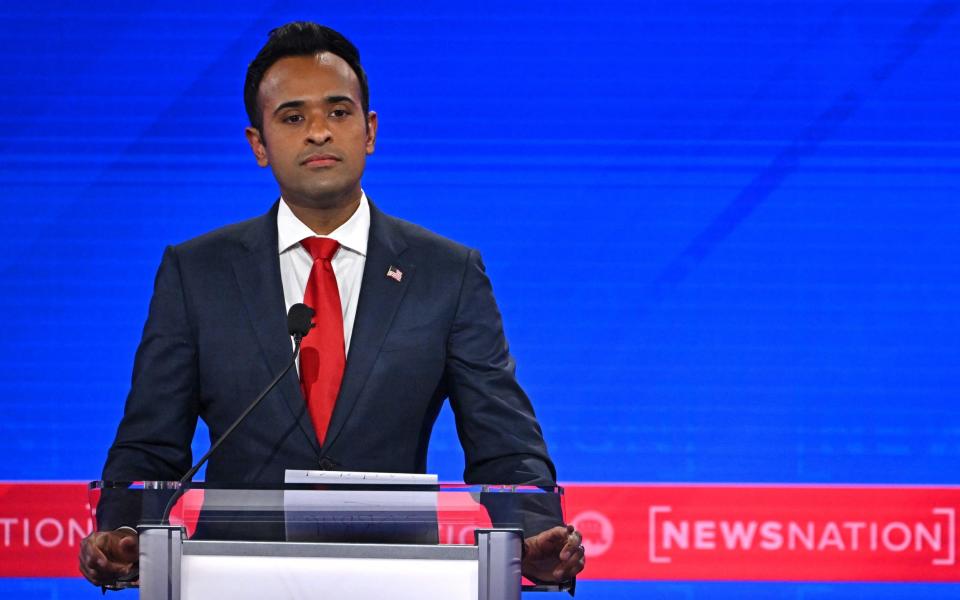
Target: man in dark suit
415 323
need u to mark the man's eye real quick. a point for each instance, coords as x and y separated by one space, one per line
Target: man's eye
339 113
293 118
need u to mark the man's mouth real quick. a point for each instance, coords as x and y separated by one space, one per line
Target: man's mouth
320 160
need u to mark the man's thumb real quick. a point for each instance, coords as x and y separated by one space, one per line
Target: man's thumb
127 548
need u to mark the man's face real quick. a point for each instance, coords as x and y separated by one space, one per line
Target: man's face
314 137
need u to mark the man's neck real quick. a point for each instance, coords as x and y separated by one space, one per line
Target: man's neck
323 221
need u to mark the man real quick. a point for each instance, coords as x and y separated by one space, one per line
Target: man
405 319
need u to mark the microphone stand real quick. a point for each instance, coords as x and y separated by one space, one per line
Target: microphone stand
181 486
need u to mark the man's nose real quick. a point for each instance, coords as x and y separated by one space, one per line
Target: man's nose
318 132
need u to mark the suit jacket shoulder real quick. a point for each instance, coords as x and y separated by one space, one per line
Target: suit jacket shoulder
230 241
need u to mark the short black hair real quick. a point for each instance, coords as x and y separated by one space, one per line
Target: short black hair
300 38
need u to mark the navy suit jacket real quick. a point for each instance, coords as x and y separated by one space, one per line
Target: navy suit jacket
216 335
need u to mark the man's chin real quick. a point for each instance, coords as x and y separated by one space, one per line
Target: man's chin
324 198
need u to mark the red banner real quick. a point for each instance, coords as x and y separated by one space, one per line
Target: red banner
41 525
636 532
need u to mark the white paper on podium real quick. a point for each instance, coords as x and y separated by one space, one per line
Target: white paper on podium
347 500
382 508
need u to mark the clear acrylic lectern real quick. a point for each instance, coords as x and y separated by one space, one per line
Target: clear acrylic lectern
455 542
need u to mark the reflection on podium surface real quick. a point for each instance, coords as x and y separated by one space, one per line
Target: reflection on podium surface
384 513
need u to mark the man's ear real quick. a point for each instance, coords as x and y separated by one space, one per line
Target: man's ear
255 139
371 131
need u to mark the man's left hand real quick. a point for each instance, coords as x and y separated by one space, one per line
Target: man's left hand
553 556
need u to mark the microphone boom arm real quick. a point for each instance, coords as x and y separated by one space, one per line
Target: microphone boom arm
181 489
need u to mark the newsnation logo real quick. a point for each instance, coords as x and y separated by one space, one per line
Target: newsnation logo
876 537
635 531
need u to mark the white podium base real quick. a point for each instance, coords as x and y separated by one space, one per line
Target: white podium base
295 578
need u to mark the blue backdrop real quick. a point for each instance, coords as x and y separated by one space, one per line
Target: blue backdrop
725 236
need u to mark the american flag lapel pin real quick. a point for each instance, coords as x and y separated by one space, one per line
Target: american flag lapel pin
394 273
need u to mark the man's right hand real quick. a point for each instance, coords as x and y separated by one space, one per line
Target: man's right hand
106 556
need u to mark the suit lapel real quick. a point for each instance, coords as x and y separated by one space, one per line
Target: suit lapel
261 288
380 296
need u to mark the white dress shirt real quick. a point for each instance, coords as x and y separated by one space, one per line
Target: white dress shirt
348 262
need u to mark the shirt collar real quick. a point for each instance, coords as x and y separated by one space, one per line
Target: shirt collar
352 235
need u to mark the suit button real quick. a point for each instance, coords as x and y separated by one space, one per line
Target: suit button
327 465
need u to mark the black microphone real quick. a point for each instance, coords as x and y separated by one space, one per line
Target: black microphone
300 321
299 324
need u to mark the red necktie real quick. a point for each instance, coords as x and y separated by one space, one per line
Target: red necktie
322 355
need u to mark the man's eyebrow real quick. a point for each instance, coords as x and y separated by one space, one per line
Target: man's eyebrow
289 104
339 99
328 100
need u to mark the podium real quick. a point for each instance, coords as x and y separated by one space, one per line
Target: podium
298 541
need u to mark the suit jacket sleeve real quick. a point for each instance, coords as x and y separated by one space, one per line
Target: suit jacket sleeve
498 430
160 416
502 441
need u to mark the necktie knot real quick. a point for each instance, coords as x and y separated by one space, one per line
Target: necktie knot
320 248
